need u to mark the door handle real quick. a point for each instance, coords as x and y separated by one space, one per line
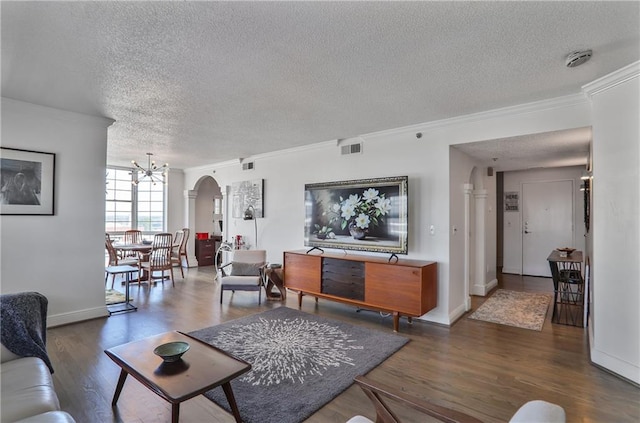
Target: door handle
526 232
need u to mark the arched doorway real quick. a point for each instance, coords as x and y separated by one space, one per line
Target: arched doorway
205 219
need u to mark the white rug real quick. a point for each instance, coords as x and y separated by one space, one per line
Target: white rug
519 309
111 296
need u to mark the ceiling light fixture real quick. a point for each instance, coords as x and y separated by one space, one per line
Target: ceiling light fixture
577 58
150 172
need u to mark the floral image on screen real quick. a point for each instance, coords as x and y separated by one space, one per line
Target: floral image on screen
366 215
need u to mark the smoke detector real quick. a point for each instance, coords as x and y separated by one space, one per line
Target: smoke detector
577 58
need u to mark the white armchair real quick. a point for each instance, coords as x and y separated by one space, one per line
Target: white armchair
246 272
531 412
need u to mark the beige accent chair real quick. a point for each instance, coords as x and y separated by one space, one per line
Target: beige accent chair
246 274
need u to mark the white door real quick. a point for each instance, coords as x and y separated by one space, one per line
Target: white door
547 223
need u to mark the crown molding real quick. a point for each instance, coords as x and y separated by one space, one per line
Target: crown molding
62 114
277 153
548 104
613 79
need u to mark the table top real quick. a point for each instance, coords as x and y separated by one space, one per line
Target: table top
202 367
575 257
131 247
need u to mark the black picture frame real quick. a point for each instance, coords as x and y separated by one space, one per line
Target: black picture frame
27 182
381 204
587 204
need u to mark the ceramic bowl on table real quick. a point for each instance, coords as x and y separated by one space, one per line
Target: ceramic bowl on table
565 251
171 351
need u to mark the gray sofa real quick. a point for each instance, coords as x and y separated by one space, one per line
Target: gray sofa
28 394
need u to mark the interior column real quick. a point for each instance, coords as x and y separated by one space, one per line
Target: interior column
190 214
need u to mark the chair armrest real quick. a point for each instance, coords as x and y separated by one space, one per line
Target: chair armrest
223 270
376 391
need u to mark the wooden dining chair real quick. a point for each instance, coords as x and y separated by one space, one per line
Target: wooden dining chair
116 264
177 254
159 259
132 236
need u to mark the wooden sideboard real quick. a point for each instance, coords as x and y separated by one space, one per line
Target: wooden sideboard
403 288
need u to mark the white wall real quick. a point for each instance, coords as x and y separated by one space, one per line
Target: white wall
60 256
389 153
512 224
615 319
175 201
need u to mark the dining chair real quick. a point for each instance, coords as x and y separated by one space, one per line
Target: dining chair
159 258
247 272
116 264
132 236
181 238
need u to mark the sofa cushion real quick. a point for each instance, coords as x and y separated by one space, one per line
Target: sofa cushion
49 417
245 269
241 281
6 355
27 389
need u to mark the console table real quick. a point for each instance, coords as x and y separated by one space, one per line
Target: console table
404 287
568 286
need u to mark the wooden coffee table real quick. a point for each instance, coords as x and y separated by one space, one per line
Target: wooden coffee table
202 368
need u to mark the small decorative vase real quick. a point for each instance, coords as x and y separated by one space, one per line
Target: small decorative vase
356 232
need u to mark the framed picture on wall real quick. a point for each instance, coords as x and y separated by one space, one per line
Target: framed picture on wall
27 182
245 194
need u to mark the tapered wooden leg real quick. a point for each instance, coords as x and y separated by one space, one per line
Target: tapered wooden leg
299 299
175 412
116 395
226 387
396 321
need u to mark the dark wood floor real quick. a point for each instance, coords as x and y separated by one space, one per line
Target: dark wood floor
483 369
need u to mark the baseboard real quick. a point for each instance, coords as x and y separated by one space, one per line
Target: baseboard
457 313
483 290
193 261
627 371
438 318
511 271
76 316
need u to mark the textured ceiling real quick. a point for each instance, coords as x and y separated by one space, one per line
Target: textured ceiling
550 149
203 82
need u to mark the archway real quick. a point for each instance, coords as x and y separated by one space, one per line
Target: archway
204 214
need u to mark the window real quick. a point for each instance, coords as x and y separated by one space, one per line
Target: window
129 206
150 206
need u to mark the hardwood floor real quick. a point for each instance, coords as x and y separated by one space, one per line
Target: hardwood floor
483 369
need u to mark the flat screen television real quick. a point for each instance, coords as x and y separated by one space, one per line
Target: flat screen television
364 215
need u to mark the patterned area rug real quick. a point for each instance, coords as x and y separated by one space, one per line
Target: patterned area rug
299 361
111 296
520 309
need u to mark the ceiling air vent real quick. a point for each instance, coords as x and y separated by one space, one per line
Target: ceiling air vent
247 166
351 148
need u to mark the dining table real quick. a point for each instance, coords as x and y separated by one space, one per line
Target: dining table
143 248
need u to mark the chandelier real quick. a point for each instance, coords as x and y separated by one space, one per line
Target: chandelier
150 172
